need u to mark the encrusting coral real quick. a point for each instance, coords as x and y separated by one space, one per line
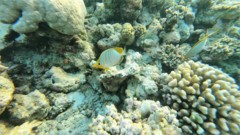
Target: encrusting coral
64 16
207 100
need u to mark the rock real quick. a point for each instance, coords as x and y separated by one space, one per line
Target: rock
64 16
58 80
34 106
6 93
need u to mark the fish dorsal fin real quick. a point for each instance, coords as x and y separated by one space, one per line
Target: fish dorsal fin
119 50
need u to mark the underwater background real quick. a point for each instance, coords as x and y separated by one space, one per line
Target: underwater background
119 67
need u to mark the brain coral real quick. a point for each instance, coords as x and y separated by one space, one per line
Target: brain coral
207 100
65 16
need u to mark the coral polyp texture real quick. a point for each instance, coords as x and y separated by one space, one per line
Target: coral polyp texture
64 16
207 100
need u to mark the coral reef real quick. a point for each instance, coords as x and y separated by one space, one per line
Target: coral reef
232 68
105 35
171 55
48 83
141 117
144 84
207 100
68 122
127 10
214 10
130 9
139 30
112 35
59 103
221 49
148 41
64 16
76 119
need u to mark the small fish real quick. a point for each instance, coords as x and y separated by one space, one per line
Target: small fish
109 58
198 47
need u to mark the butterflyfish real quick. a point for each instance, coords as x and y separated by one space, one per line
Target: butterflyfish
109 58
198 47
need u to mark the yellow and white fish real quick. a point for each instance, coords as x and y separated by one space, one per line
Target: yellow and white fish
109 58
198 47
